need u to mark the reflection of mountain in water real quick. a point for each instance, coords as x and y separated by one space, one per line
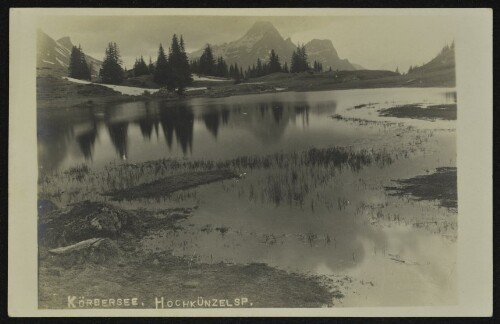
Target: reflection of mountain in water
268 121
178 120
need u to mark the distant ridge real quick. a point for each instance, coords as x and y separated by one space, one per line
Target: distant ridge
55 55
262 37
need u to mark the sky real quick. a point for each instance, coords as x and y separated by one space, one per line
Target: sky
375 42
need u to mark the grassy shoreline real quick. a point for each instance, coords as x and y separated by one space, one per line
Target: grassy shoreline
55 93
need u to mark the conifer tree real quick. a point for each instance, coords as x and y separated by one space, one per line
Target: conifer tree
194 66
221 69
185 72
151 66
299 60
111 71
285 68
207 62
180 75
274 62
78 67
258 69
140 67
161 68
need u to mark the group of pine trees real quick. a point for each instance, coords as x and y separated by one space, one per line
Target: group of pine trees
140 67
299 64
78 67
272 65
317 66
111 70
174 70
299 60
208 65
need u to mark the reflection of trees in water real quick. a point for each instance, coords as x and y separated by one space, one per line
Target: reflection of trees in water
214 116
303 112
211 119
53 137
224 116
56 132
451 96
118 135
86 141
266 120
147 125
263 109
148 121
281 111
178 120
277 111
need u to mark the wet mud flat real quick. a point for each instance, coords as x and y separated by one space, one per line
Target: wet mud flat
168 185
93 250
442 111
441 185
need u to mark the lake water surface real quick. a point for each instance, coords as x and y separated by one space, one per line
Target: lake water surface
218 128
379 249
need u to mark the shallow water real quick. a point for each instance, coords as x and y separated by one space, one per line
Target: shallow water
214 128
394 250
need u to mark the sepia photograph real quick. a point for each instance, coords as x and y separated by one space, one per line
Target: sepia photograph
202 161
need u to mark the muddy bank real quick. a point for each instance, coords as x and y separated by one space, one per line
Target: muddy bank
88 219
440 185
444 112
168 185
93 250
175 278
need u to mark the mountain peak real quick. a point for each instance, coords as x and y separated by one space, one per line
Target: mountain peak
263 37
262 27
321 42
66 42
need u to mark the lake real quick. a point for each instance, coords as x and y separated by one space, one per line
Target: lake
217 128
319 219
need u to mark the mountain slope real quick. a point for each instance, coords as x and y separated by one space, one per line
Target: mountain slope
445 60
55 55
324 52
262 37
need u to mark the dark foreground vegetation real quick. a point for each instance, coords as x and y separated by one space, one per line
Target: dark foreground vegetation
445 112
440 185
168 185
